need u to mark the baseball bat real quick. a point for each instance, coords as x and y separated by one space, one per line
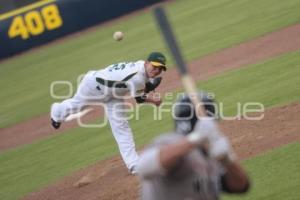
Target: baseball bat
186 79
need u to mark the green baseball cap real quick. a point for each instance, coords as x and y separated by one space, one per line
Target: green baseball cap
157 59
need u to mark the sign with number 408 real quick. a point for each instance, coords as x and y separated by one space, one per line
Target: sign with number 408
35 22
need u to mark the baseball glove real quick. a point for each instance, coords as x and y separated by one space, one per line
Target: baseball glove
150 86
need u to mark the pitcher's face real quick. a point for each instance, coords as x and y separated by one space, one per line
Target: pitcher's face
151 70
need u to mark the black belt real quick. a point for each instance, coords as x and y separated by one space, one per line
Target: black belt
108 83
115 84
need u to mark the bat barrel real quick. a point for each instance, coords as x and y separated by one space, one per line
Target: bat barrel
167 32
187 81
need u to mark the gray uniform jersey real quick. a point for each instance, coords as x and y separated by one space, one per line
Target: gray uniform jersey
195 176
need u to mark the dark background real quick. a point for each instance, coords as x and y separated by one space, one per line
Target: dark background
9 5
76 15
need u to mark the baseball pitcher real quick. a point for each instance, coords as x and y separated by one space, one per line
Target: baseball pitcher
111 86
194 162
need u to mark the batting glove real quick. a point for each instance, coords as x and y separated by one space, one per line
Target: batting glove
205 129
221 149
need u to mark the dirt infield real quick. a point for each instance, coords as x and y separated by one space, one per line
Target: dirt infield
111 181
270 45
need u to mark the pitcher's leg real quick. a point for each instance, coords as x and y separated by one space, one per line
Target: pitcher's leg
122 132
60 111
85 93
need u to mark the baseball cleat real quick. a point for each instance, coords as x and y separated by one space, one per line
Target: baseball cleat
133 170
55 124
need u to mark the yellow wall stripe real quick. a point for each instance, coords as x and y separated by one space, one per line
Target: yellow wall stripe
25 8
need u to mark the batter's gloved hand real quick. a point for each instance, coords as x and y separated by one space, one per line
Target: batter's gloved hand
221 150
206 129
153 84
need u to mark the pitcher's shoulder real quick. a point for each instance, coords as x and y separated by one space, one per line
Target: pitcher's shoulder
139 64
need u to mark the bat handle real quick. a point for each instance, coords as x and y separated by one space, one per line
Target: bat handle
191 89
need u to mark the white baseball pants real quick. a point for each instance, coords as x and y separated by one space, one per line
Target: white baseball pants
86 95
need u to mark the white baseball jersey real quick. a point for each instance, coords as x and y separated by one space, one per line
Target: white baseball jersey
132 73
196 177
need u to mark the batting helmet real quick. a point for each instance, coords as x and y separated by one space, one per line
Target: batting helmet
185 116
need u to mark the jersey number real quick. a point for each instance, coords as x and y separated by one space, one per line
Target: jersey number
117 67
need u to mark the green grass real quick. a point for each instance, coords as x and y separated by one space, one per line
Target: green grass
33 166
203 27
271 83
25 168
30 167
274 175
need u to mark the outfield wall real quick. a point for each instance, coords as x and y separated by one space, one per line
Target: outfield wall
39 22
